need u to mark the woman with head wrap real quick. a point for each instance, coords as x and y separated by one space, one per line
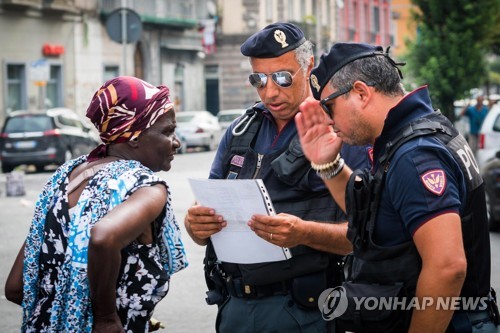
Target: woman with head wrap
104 242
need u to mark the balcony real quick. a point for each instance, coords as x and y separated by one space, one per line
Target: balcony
60 6
177 14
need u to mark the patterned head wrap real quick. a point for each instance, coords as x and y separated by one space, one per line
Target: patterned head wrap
124 107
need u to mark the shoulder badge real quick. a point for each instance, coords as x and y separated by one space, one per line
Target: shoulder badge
434 181
280 37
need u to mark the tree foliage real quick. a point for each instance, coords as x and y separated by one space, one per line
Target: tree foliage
449 53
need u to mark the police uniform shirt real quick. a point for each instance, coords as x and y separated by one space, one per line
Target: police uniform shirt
423 180
269 140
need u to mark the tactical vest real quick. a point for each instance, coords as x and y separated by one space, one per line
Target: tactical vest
285 174
372 263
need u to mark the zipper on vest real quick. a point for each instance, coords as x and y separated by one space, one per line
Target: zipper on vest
259 164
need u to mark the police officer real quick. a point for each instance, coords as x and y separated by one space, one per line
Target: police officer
417 219
280 296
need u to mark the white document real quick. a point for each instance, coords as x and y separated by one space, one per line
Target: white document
237 200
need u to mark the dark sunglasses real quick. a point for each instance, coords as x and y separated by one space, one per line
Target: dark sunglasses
336 94
283 79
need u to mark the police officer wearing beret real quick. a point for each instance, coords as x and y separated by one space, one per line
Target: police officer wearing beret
417 219
279 296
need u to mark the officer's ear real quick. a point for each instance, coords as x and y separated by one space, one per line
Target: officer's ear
362 91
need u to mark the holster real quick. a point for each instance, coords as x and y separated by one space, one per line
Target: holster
307 288
214 279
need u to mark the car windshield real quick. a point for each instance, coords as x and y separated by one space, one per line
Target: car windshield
28 123
183 118
228 117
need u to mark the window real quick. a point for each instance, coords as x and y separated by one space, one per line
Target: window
110 72
179 100
16 87
65 121
376 19
328 12
28 124
53 94
269 10
496 125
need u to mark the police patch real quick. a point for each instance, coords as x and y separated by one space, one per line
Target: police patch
237 160
434 181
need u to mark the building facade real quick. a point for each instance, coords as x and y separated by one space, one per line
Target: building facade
323 22
58 52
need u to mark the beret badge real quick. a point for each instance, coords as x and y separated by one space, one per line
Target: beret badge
315 83
280 37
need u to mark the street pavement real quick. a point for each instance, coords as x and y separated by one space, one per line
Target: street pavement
184 309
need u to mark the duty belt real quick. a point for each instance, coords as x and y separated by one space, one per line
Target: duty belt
237 288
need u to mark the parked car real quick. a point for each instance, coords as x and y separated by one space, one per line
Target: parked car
41 138
489 136
491 175
461 123
183 148
226 117
199 129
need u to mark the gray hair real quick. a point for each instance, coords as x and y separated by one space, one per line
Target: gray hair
303 54
375 70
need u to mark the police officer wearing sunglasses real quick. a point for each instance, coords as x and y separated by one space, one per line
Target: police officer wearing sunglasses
279 296
417 218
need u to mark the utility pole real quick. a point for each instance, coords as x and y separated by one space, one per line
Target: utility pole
124 37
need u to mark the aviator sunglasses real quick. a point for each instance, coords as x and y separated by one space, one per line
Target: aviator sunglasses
283 79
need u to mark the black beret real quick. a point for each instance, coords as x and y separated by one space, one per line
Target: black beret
340 55
272 41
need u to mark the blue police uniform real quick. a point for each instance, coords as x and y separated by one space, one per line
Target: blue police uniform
422 168
270 141
309 200
406 202
425 178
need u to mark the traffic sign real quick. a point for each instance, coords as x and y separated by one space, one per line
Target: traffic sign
133 25
39 71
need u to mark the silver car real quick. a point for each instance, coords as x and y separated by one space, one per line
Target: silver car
198 129
226 117
489 136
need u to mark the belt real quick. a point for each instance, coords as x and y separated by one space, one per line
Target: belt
237 288
462 321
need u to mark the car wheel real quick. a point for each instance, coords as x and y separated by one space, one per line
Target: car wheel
6 168
68 155
183 147
40 168
494 225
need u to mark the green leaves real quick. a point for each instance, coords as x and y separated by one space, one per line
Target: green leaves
453 41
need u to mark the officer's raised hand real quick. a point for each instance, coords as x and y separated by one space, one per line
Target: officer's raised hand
202 222
317 136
